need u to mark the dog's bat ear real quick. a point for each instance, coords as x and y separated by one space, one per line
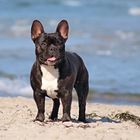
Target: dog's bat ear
63 29
36 29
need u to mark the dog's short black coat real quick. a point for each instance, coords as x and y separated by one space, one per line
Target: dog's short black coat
56 72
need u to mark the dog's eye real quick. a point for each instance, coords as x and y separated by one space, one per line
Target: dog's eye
44 44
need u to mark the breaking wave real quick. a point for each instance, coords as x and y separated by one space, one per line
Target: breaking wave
14 87
134 11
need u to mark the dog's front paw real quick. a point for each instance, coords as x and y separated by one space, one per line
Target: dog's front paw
66 117
40 117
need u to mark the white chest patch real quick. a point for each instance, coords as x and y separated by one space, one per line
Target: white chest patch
50 77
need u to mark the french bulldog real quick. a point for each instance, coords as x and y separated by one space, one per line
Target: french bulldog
56 72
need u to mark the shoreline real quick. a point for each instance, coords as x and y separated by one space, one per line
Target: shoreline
96 97
17 114
115 98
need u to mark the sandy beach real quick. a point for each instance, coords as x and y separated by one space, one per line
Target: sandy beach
17 114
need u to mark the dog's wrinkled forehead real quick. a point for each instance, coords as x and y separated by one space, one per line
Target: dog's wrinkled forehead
51 38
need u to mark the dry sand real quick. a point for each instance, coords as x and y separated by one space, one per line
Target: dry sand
17 114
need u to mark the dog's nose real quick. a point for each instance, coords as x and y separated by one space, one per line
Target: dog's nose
52 49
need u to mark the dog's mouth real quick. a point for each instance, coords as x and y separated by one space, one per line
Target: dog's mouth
51 60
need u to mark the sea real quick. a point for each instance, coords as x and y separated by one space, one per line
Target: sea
106 33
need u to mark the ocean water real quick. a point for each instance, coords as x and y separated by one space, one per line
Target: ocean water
105 33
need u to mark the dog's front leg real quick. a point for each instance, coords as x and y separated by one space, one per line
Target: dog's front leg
66 102
40 102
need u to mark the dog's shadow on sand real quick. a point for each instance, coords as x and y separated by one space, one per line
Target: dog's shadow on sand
93 118
89 122
90 119
103 120
75 123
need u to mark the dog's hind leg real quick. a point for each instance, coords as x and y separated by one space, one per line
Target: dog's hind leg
54 114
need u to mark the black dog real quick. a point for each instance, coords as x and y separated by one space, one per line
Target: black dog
55 72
